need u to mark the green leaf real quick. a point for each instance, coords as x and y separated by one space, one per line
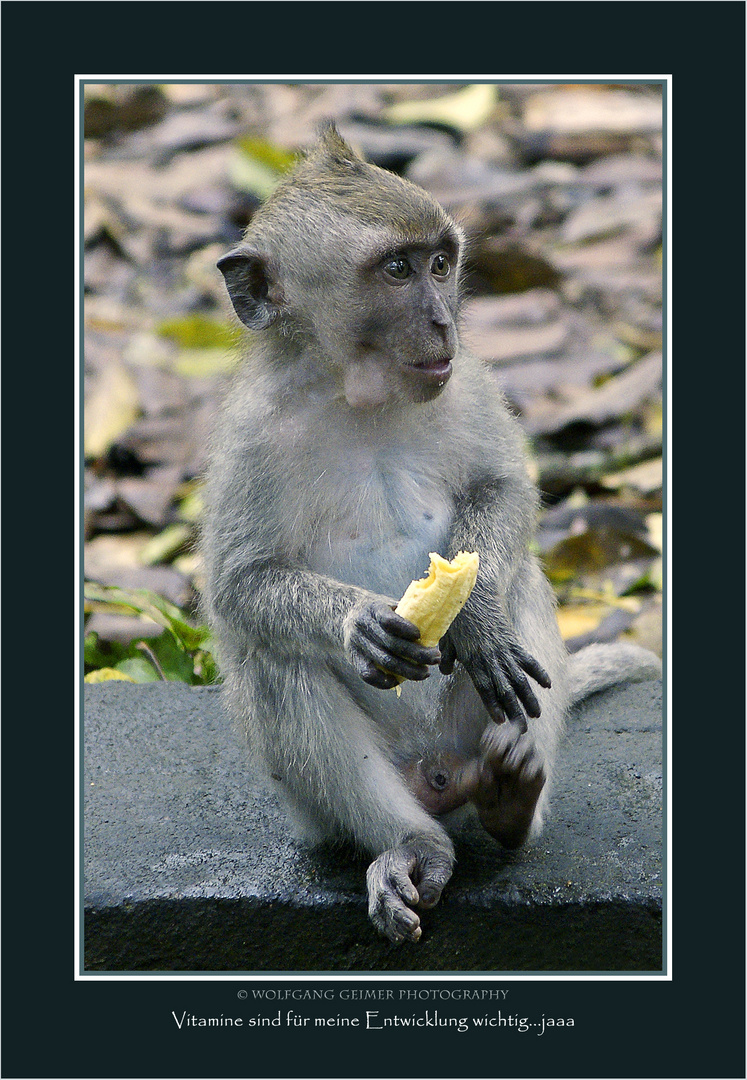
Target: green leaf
180 653
192 506
199 332
144 602
198 363
246 174
256 166
166 544
176 664
274 157
139 669
97 654
206 669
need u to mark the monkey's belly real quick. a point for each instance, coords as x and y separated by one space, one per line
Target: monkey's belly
384 553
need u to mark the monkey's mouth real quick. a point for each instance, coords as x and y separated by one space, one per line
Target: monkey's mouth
437 370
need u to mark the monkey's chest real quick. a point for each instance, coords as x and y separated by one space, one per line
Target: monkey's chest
381 529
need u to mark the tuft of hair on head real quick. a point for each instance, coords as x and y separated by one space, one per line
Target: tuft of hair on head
332 148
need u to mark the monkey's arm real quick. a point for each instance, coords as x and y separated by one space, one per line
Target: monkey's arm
295 608
495 518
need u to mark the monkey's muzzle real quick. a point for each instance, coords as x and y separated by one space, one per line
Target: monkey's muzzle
437 371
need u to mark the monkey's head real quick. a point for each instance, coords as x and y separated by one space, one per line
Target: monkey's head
358 266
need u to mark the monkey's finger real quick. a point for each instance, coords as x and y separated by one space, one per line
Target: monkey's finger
370 673
394 919
448 656
382 680
532 667
427 655
390 891
500 699
392 664
522 689
485 687
511 707
397 624
421 655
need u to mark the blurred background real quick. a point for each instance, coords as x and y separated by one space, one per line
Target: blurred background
559 188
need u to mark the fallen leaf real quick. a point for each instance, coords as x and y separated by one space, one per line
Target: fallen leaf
247 173
578 110
620 395
152 496
107 674
575 620
465 110
655 524
609 215
112 406
166 544
199 332
596 550
647 477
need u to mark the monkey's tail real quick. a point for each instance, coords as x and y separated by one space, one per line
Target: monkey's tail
597 667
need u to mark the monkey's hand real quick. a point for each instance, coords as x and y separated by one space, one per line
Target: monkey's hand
497 665
382 645
410 875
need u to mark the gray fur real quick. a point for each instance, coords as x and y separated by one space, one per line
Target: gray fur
326 493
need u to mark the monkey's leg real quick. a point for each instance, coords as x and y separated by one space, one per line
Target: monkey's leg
328 752
508 779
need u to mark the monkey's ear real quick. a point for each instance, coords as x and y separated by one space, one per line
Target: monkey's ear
248 284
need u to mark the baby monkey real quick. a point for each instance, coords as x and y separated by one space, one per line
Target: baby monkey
359 436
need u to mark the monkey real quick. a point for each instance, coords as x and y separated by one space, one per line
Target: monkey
358 436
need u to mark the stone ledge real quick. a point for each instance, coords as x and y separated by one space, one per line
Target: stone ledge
190 865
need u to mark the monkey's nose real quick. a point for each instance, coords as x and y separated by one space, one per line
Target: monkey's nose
445 331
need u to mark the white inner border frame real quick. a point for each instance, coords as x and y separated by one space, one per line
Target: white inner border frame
666 975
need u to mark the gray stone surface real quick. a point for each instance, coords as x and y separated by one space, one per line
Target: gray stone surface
190 864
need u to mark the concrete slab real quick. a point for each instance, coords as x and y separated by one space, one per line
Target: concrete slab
190 864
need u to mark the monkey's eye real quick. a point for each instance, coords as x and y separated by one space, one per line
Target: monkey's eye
440 266
399 269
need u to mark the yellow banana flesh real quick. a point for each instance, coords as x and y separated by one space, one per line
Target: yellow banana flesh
433 602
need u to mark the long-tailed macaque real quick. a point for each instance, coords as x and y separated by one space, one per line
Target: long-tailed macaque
358 437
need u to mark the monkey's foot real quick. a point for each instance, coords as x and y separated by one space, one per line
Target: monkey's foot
510 781
404 877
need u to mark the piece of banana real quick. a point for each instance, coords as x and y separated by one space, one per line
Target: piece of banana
433 602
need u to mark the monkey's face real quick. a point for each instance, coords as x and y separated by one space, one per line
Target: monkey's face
410 326
356 272
388 322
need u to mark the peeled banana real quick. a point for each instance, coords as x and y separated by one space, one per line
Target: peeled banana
433 602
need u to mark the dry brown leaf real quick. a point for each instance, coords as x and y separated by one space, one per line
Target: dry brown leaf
112 406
